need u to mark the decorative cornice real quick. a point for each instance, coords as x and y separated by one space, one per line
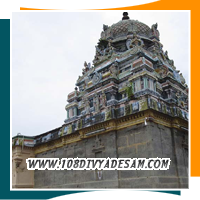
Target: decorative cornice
115 125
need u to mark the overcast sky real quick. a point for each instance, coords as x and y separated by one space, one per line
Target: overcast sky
49 50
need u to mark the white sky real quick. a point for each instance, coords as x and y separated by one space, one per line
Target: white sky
48 52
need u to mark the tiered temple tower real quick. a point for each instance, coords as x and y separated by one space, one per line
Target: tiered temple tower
131 102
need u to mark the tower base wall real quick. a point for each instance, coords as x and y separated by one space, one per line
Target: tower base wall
138 141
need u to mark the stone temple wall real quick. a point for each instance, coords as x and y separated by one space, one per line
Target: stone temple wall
138 141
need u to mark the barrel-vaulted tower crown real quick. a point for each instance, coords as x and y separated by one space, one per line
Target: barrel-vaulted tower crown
123 28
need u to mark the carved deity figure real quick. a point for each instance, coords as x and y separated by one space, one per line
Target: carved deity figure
105 27
106 32
87 105
96 103
114 70
157 49
110 48
171 62
103 49
96 78
182 79
166 55
178 96
103 99
136 41
86 66
155 31
87 79
163 71
83 71
99 52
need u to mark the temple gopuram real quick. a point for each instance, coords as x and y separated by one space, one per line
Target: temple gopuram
131 102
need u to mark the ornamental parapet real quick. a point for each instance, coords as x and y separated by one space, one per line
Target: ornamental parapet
142 73
70 120
145 92
70 105
71 96
112 102
22 140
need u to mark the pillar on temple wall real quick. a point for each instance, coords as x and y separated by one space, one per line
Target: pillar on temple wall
142 83
137 85
168 93
148 83
151 84
70 112
145 83
75 111
134 87
113 95
155 86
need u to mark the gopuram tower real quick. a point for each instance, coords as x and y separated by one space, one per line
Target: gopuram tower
131 102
